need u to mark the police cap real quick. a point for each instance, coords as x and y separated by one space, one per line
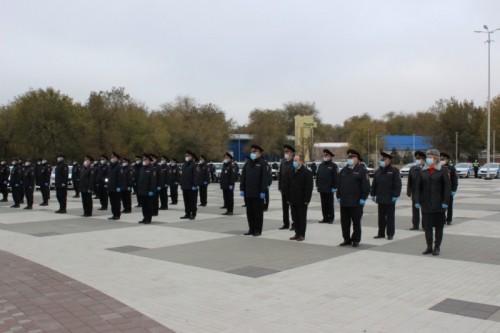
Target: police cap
256 147
328 152
419 154
288 147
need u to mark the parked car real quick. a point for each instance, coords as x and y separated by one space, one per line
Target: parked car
464 170
405 170
53 177
494 170
371 171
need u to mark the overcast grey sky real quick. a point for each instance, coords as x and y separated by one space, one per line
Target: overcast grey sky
349 57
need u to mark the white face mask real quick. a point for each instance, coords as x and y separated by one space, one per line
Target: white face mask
59 159
86 163
163 162
14 162
103 161
27 164
138 161
124 164
287 156
187 159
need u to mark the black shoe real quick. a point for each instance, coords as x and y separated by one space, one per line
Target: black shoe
248 233
414 228
85 215
243 205
223 207
192 217
57 211
428 250
76 196
147 222
323 221
449 222
143 221
173 203
127 211
154 214
138 206
345 243
28 207
61 212
378 236
202 205
15 206
285 227
44 204
436 251
256 234
390 237
228 213
292 228
114 218
102 208
185 217
3 200
355 244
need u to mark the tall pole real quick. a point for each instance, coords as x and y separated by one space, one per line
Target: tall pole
488 150
456 147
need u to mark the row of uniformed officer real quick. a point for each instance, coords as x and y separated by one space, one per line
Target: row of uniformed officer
228 177
326 184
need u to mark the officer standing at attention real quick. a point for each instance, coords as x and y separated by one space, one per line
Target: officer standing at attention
475 165
432 196
299 187
190 180
4 179
137 170
75 178
386 189
204 180
87 183
255 179
314 169
114 176
413 175
146 188
174 179
285 171
29 183
61 183
38 172
16 182
102 185
127 184
452 172
156 197
228 177
326 183
353 189
45 182
163 182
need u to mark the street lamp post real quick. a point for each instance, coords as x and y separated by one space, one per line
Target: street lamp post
489 32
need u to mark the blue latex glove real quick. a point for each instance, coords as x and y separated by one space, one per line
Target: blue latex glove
5 182
105 185
16 185
150 194
176 183
374 198
46 184
63 185
194 188
338 200
453 194
268 187
334 190
394 199
417 205
205 183
444 206
242 193
89 191
118 190
362 202
230 188
129 189
262 195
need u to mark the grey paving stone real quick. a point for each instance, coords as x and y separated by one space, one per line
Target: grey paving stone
465 308
252 271
127 248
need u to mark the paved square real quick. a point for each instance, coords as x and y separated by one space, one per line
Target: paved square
204 276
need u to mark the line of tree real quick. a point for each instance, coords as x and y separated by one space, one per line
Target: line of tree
46 122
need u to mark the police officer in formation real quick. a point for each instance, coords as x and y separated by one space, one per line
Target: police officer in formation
137 170
114 177
38 172
432 196
45 175
326 184
4 179
75 178
163 182
255 180
16 182
299 187
87 185
285 171
452 173
413 175
29 183
228 177
385 191
61 183
352 192
102 182
146 187
174 179
127 185
190 182
204 180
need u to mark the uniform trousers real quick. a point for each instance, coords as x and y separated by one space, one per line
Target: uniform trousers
266 200
449 211
156 202
61 195
87 203
103 196
127 201
228 196
299 217
45 193
147 208
415 219
164 198
350 215
436 221
76 186
286 210
28 192
21 194
115 201
174 193
255 214
203 195
138 197
16 195
327 206
4 191
386 219
190 201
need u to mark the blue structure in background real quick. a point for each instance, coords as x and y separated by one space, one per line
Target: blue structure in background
405 142
238 146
